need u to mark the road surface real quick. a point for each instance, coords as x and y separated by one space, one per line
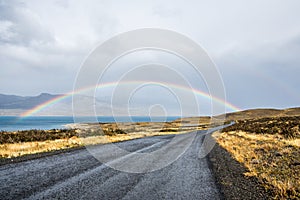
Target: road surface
78 175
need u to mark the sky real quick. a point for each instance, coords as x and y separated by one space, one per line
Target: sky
255 44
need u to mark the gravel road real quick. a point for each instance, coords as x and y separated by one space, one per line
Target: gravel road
78 175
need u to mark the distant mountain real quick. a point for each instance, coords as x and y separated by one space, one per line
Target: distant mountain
13 105
23 102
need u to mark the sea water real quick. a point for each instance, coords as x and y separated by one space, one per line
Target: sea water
14 123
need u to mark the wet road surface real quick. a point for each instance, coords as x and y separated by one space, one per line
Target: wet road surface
78 175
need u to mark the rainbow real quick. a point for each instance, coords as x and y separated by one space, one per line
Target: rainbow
44 105
57 99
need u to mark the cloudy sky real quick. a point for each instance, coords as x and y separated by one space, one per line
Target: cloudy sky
254 44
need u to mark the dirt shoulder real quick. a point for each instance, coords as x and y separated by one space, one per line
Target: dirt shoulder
229 175
262 151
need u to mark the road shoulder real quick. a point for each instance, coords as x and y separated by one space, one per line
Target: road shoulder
229 176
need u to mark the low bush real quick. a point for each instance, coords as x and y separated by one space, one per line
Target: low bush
288 127
35 135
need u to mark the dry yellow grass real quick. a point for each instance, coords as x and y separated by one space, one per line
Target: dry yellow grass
11 150
24 148
37 141
273 159
122 137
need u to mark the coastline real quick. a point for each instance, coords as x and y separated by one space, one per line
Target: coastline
19 143
273 134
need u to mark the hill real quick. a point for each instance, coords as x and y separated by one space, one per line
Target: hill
246 114
23 102
266 143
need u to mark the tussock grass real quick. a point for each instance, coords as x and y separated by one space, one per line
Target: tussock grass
11 150
35 135
272 156
288 127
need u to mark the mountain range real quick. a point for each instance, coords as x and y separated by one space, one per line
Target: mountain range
17 105
23 102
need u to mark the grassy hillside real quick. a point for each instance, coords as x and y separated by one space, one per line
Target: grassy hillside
262 113
267 143
246 114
